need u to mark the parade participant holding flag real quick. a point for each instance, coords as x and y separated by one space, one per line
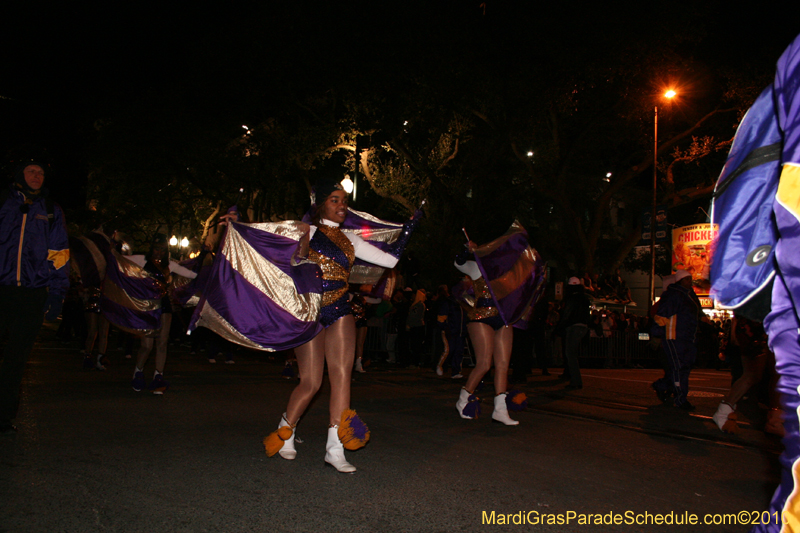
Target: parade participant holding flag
316 318
507 277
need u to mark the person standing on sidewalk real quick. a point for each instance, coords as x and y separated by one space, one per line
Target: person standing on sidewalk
679 313
573 326
34 275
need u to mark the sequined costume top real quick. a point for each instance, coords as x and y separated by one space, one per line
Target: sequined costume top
335 254
484 305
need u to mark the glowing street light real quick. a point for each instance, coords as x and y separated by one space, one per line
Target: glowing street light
173 241
347 183
184 242
530 154
669 94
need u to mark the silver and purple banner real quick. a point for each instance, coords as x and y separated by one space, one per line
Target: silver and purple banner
514 273
130 296
259 293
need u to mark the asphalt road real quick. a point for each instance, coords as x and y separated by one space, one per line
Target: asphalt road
93 455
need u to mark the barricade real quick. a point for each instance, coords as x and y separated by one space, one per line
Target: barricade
620 349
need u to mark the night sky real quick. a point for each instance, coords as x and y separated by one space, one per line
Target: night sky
67 66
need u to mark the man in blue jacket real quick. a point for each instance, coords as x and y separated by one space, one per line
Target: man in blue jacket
783 322
34 275
678 313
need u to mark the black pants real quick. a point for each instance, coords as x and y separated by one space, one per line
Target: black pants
21 317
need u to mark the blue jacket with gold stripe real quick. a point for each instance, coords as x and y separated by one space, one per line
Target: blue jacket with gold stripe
679 313
33 252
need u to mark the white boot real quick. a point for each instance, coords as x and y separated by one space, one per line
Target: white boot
500 412
720 418
462 402
288 451
359 367
440 366
334 452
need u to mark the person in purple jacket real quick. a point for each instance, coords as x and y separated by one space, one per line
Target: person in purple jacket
678 313
34 275
783 321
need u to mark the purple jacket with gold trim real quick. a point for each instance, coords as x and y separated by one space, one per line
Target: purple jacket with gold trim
33 252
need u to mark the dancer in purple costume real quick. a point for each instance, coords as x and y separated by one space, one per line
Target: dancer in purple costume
335 252
507 277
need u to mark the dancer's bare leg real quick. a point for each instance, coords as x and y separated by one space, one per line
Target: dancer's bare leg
340 350
482 337
102 342
361 337
753 370
310 364
163 340
503 340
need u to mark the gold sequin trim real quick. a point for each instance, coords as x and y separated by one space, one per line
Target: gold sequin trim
331 270
481 291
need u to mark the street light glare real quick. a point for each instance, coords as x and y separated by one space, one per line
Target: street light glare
670 94
173 241
347 183
530 154
184 242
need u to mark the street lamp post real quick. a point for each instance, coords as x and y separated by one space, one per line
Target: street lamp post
652 294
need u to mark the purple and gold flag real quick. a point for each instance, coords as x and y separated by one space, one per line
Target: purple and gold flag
188 291
514 273
259 293
130 296
88 253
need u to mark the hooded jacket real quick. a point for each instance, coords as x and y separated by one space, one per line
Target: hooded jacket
34 252
678 312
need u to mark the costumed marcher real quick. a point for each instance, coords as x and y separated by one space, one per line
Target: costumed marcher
572 327
335 252
783 321
88 253
500 302
133 297
678 313
34 275
157 266
308 312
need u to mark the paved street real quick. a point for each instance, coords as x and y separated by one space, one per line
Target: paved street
93 455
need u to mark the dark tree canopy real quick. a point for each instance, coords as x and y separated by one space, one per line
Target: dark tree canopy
441 100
